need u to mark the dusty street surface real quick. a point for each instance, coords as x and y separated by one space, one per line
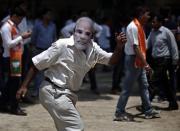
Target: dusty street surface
97 113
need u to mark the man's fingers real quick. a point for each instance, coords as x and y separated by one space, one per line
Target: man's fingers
124 39
121 37
121 34
116 34
23 95
18 95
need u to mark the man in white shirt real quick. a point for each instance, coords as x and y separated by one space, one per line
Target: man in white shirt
12 40
66 63
23 27
135 67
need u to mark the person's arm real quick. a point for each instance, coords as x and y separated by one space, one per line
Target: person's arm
138 53
141 57
121 40
172 45
98 30
41 61
68 30
23 89
7 38
149 41
23 27
54 33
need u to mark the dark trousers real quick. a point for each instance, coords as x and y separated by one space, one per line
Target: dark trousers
164 78
8 97
92 78
26 59
1 74
118 73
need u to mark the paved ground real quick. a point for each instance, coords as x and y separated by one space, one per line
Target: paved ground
97 113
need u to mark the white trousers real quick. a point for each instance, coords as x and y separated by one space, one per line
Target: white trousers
61 107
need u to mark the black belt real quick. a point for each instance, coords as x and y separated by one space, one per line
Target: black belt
162 58
52 83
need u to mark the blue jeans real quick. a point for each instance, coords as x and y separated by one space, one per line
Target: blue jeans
132 75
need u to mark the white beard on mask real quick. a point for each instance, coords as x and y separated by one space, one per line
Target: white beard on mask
81 46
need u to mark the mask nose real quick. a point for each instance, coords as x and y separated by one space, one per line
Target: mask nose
82 36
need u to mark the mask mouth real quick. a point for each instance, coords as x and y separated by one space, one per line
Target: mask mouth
82 42
81 45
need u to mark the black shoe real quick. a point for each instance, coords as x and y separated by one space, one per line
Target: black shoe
18 112
114 91
27 100
173 106
95 91
4 109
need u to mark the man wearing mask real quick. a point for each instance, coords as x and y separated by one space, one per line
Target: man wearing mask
66 63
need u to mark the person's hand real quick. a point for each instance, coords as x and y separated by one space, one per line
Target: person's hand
148 69
21 93
175 67
26 35
120 39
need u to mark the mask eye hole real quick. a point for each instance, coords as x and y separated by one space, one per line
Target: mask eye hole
78 31
88 34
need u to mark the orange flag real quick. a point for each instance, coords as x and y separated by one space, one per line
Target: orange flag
15 55
142 44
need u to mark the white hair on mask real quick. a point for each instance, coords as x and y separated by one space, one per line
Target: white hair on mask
86 19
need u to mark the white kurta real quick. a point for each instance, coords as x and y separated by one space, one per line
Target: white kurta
66 65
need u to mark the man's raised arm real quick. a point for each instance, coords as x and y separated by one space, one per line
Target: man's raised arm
120 40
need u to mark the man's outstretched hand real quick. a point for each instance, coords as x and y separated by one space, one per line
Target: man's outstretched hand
21 93
120 39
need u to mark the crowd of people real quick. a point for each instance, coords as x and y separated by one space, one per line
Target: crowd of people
58 61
